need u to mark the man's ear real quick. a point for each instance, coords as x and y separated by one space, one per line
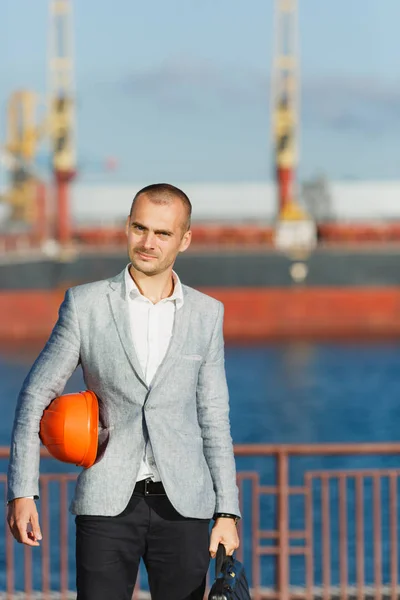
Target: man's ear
186 240
127 223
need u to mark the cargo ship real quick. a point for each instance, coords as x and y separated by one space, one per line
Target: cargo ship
348 285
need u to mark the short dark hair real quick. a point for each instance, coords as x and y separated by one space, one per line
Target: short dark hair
164 193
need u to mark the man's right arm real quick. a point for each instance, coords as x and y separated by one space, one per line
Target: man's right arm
45 381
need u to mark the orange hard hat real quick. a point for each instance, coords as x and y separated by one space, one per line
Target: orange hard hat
69 428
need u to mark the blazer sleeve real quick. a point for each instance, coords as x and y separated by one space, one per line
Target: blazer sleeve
45 381
213 416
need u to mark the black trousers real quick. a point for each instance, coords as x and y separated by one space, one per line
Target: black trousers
174 550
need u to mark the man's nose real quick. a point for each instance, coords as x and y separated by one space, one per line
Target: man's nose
149 240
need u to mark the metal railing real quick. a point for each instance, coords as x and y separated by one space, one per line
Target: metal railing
319 521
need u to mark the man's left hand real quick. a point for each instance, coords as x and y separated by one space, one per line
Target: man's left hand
224 532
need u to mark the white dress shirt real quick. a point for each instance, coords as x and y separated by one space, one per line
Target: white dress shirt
151 330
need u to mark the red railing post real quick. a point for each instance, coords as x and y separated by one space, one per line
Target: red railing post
283 525
309 542
393 520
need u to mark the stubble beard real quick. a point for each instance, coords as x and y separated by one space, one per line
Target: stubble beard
147 268
153 267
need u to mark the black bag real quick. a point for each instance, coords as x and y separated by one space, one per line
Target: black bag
230 579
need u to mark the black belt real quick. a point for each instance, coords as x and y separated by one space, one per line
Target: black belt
147 487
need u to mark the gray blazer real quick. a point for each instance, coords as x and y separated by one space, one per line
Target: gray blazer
185 408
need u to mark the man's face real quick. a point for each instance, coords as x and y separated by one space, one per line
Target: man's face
156 234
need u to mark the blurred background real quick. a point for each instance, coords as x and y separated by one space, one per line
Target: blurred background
281 121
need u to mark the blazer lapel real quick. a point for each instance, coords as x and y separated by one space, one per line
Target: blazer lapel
179 332
120 312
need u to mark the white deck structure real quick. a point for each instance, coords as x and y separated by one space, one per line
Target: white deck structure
348 201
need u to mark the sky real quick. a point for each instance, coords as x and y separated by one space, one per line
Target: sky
180 90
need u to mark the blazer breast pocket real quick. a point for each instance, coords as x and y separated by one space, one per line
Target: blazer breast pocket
191 356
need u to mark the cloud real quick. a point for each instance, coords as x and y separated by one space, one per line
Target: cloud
192 84
353 104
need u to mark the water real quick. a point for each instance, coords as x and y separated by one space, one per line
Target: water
281 393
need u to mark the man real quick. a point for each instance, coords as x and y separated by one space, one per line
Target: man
152 350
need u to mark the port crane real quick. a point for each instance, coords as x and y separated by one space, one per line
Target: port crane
24 133
294 229
22 138
61 112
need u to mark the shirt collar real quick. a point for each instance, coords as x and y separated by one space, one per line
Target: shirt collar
133 292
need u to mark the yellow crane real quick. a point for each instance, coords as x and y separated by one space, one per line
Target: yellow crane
295 231
61 116
22 139
285 107
24 133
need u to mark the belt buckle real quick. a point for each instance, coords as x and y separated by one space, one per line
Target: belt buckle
147 492
146 489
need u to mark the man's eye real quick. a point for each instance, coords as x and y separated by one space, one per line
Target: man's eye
138 227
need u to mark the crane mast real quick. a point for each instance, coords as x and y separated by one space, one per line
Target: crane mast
285 102
61 110
295 231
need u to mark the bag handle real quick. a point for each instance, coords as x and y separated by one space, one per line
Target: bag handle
220 559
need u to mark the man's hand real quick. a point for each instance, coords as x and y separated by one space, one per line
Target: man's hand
23 520
224 532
